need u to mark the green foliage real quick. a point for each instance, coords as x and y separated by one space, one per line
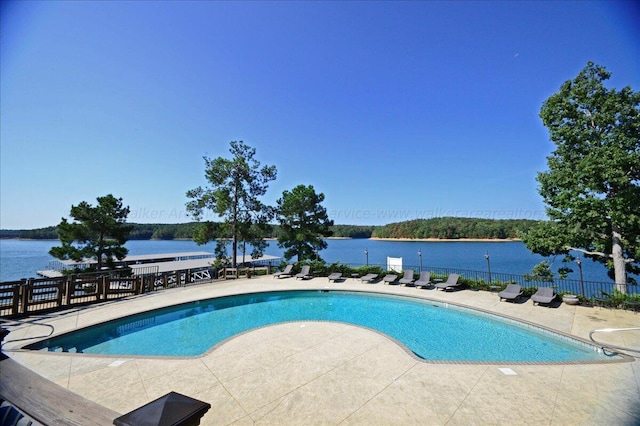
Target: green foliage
541 272
142 231
48 233
454 228
303 223
11 233
346 270
618 298
545 238
233 194
164 233
98 232
364 270
184 231
352 231
592 186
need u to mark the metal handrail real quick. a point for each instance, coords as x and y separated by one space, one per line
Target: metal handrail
611 330
3 321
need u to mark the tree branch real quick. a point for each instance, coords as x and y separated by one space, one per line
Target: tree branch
598 253
593 253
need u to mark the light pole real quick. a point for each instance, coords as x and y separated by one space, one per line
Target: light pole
366 253
579 262
486 256
420 256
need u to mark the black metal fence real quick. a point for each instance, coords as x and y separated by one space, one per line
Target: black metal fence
485 280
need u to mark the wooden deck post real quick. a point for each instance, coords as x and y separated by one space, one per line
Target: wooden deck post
61 286
102 282
17 293
25 296
69 289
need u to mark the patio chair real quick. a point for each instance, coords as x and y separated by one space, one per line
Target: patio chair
284 273
304 273
335 276
512 292
369 277
390 278
408 277
424 280
544 295
450 283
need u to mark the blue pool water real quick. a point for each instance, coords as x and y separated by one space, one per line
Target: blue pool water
431 330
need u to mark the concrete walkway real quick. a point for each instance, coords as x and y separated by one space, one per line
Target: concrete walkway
333 373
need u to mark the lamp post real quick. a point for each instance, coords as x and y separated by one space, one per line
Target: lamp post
486 256
579 262
420 256
366 253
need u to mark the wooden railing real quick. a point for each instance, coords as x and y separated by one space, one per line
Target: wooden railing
34 295
243 271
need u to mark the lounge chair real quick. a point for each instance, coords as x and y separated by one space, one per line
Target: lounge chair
335 276
450 283
543 295
512 292
408 277
424 280
304 273
285 273
390 278
369 277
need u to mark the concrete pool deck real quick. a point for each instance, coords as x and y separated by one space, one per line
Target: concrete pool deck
334 373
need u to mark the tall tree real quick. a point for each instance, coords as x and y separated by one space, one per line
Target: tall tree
236 186
592 186
98 232
303 223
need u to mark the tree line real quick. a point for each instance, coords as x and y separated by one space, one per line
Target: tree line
455 228
441 228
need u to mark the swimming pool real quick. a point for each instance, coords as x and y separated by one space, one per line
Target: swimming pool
431 330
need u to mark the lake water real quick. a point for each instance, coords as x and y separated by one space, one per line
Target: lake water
22 258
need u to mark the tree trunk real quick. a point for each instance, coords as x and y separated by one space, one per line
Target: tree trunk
619 264
235 229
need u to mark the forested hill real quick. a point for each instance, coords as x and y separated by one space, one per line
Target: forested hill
454 228
173 232
441 228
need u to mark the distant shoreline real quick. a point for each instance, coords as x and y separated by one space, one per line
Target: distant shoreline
452 240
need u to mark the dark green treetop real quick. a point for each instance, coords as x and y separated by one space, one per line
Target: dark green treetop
98 232
303 223
233 194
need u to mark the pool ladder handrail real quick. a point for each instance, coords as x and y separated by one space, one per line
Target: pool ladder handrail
612 330
19 322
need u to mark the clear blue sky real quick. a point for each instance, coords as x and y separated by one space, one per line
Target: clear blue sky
393 110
